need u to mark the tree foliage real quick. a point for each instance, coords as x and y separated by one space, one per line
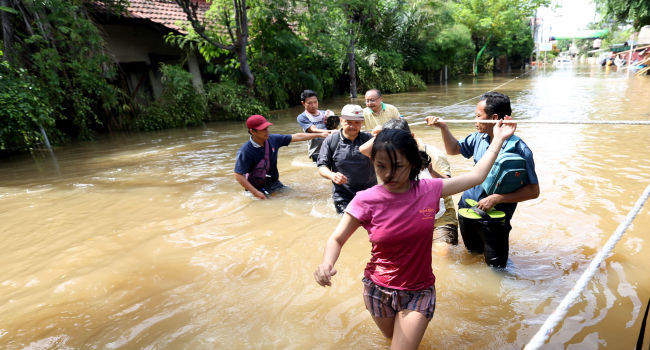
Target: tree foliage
260 54
23 111
499 25
179 104
635 11
227 30
58 51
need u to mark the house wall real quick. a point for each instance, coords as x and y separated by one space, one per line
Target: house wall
644 36
130 43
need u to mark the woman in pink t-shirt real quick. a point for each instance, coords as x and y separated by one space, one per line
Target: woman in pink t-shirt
399 214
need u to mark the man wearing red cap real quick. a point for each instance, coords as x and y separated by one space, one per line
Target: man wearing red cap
256 166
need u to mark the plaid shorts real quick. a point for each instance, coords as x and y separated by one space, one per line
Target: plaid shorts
387 302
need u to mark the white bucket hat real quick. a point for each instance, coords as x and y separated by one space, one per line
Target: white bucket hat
352 112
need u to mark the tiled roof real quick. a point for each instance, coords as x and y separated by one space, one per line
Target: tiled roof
164 12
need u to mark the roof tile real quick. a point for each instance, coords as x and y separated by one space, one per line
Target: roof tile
165 12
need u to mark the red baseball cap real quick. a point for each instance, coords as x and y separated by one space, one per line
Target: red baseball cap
257 122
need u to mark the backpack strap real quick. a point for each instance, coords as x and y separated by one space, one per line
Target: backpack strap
267 155
511 143
334 144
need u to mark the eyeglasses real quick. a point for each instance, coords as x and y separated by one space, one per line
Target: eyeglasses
372 100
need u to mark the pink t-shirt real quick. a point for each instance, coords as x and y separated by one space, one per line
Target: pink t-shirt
400 228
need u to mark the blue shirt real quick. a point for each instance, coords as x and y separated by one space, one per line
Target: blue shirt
317 121
248 156
475 145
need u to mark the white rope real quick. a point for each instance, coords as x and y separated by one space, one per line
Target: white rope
469 99
560 312
525 121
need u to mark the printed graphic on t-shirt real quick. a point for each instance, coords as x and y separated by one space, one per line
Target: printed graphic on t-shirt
427 213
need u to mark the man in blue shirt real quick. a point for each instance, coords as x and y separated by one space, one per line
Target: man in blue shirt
256 165
489 237
313 120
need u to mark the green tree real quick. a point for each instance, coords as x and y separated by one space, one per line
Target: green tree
225 26
432 39
24 110
294 50
491 21
55 46
516 45
635 11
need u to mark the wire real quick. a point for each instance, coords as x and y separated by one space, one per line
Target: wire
477 96
526 121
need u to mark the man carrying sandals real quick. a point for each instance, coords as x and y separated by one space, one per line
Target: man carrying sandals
483 228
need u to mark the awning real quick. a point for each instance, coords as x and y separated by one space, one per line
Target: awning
580 34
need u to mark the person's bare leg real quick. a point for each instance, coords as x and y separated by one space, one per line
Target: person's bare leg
386 325
409 330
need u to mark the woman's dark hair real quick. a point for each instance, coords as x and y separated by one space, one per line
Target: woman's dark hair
332 122
496 103
402 124
392 141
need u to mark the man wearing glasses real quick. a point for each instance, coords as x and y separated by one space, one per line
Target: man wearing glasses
377 112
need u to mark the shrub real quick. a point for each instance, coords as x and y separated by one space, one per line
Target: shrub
228 100
179 104
389 80
23 111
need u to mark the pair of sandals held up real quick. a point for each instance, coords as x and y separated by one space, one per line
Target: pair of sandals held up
477 214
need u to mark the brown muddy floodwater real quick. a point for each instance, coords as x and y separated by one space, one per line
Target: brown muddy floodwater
147 242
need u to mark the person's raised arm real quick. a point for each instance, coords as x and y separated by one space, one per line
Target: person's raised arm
451 144
303 136
247 185
366 148
341 234
480 171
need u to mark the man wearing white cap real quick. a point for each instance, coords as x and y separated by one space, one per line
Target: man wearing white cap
256 165
341 162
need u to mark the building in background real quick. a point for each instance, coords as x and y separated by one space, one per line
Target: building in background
136 42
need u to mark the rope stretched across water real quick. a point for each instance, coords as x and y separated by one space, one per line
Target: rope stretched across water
469 99
526 121
560 312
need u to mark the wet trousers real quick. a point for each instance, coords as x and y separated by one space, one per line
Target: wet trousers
489 237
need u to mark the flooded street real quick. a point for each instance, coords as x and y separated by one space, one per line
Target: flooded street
147 241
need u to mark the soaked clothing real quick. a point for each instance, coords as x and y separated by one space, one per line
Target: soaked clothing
387 302
344 157
306 120
250 154
400 228
487 237
490 237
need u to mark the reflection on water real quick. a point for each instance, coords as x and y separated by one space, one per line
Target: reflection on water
146 241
